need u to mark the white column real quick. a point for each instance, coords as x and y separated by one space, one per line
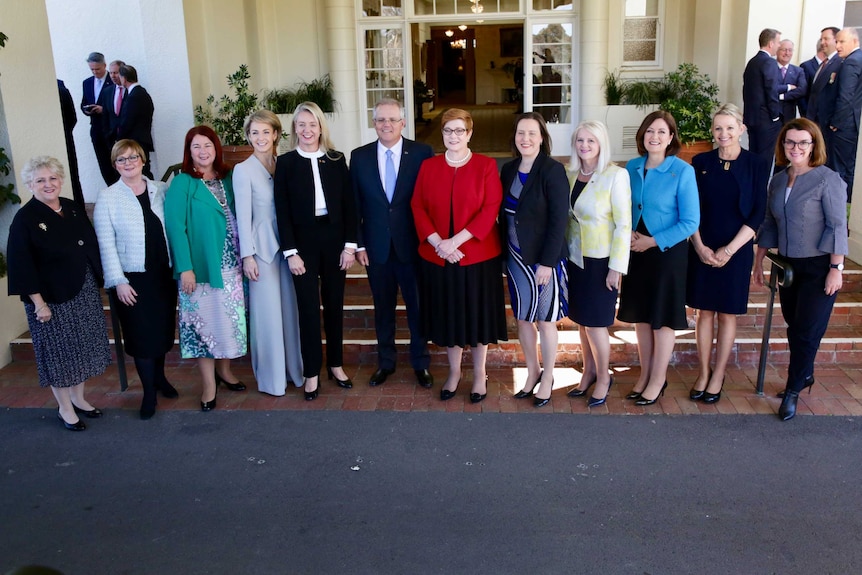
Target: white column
341 45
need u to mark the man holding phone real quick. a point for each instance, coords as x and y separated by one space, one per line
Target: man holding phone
93 87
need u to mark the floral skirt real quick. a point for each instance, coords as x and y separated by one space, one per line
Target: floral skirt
212 320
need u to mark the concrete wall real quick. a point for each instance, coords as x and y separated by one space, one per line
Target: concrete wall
30 123
152 39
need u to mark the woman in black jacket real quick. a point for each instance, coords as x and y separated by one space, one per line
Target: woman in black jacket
54 266
533 225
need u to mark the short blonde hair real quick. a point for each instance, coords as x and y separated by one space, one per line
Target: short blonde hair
728 109
35 164
123 145
262 117
325 143
600 132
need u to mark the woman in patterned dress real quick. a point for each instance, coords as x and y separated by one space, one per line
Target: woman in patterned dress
202 234
533 226
54 266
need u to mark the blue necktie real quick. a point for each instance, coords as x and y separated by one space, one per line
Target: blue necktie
389 177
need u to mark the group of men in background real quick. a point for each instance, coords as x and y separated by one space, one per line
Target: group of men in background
118 108
826 89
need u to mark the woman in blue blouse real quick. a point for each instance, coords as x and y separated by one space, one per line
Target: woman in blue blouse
665 212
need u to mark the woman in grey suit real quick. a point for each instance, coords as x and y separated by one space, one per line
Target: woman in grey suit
806 219
275 353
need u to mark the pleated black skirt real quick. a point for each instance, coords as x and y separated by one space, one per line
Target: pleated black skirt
462 306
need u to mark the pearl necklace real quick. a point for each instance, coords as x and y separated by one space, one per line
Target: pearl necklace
458 162
58 211
583 173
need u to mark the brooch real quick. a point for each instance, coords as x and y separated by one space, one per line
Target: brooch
43 227
832 77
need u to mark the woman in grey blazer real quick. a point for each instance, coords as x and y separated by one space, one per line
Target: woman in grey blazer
806 219
275 353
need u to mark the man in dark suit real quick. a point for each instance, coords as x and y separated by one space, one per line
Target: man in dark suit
810 68
111 101
760 88
383 175
823 91
136 114
70 118
793 86
844 122
94 88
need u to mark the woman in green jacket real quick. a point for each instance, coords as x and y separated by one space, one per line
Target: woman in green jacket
201 226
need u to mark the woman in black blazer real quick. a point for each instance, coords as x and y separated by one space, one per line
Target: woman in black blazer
54 266
316 214
533 225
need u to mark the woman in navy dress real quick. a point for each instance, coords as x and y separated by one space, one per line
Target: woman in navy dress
731 183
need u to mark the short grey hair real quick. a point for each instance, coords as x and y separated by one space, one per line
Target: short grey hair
388 102
96 58
35 164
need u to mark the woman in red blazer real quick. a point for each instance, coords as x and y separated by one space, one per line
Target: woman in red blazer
455 205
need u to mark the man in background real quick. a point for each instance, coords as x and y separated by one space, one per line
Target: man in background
93 89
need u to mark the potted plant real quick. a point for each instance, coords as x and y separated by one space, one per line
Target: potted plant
283 101
227 115
692 98
7 191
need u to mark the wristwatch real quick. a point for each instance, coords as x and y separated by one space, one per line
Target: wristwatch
839 267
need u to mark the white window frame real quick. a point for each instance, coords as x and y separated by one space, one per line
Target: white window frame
657 63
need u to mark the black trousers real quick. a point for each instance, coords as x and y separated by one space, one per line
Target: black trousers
806 309
761 140
322 282
103 155
385 279
841 155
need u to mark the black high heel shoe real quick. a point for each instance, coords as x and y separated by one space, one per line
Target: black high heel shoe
808 383
697 394
539 402
712 397
446 395
577 392
477 397
238 386
787 410
645 401
312 395
596 401
345 383
77 426
525 393
208 405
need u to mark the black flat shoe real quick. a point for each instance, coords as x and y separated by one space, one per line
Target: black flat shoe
238 386
167 390
645 401
597 401
424 378
577 392
77 426
208 405
477 397
345 383
94 413
528 392
377 378
787 410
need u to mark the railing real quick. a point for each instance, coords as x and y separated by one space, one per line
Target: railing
781 274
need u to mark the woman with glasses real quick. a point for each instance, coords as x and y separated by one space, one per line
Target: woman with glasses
731 184
455 206
806 219
129 218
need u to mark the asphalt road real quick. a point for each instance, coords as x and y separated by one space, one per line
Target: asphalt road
350 492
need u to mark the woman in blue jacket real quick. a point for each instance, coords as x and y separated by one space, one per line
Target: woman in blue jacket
665 212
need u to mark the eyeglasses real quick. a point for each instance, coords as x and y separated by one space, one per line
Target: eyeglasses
803 145
384 121
133 158
456 131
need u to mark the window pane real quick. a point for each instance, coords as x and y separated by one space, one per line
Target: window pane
552 4
639 51
641 8
372 8
640 29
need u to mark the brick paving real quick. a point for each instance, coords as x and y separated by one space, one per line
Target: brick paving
837 391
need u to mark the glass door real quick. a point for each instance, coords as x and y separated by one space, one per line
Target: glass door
549 85
383 69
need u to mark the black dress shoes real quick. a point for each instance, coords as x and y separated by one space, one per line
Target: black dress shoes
208 405
446 395
644 401
238 386
788 405
345 383
809 381
424 378
577 392
379 376
77 426
92 414
528 389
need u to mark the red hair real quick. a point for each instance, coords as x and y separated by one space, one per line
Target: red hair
221 169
